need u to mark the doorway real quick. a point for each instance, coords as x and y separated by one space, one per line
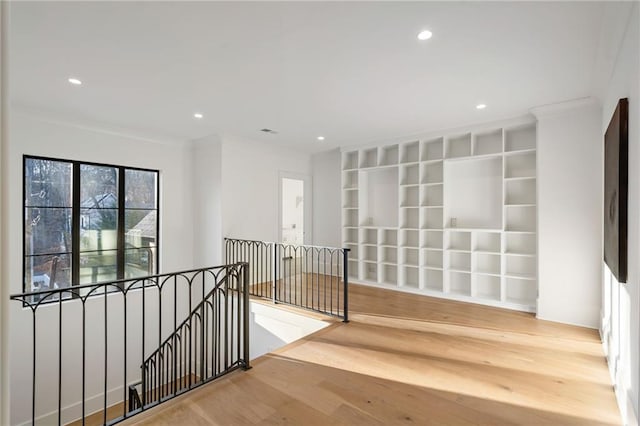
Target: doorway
294 218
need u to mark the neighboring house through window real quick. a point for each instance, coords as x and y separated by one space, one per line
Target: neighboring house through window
87 223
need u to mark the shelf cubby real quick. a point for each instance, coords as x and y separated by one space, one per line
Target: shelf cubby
410 257
458 240
486 242
410 276
350 236
487 287
433 279
409 174
488 143
487 263
520 267
389 155
431 173
432 219
409 196
389 255
459 146
350 160
521 291
409 152
431 195
459 261
460 283
378 197
369 236
520 244
350 199
350 180
389 274
520 192
409 238
370 272
433 258
389 237
520 138
432 239
350 217
409 218
369 158
474 195
370 253
520 165
521 218
432 150
353 254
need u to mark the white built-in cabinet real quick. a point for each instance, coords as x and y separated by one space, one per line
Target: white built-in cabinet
451 216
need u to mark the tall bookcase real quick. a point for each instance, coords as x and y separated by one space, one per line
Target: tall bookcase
452 216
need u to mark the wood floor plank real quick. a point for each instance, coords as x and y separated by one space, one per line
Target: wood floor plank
408 359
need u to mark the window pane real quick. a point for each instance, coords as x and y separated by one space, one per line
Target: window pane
47 183
47 230
141 189
98 266
49 271
98 229
139 262
98 187
141 228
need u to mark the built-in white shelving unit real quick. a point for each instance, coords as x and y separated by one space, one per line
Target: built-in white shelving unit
451 216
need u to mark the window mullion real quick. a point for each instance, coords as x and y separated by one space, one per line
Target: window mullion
121 224
75 225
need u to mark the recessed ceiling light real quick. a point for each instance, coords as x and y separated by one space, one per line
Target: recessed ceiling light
481 106
320 138
198 115
424 35
74 81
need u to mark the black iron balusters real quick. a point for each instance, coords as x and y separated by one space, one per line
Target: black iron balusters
310 277
211 340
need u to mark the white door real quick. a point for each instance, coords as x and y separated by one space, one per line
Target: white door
295 209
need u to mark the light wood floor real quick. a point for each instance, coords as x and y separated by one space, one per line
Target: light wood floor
407 359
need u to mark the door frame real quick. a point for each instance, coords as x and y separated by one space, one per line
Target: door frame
308 203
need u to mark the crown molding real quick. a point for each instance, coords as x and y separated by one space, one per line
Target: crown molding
563 107
64 119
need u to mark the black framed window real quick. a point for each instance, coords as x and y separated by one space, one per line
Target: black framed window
88 223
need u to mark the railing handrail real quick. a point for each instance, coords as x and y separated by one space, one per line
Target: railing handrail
287 244
114 283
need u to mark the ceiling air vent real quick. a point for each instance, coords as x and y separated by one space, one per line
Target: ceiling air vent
271 131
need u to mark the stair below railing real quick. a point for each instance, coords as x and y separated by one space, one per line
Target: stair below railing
205 346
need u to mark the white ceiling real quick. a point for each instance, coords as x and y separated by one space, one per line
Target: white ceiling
353 72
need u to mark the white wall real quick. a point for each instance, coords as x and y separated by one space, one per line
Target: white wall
569 189
250 181
4 292
207 201
44 137
621 302
326 198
